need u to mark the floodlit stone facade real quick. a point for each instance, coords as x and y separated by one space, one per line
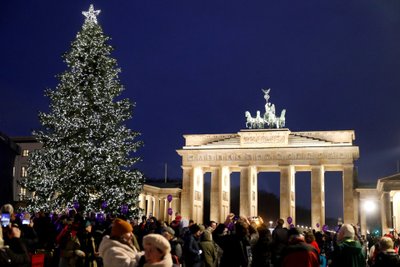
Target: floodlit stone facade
266 150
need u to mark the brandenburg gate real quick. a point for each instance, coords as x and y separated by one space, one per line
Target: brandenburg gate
275 149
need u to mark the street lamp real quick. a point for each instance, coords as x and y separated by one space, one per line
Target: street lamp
369 206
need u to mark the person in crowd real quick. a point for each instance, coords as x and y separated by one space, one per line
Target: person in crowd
176 244
279 240
209 249
236 246
212 225
143 230
309 237
261 251
347 251
86 239
70 247
157 252
191 249
13 251
176 222
298 253
387 256
118 249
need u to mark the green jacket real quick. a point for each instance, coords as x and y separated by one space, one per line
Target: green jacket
348 253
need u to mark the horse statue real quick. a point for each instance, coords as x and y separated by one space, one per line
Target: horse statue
250 121
254 123
280 122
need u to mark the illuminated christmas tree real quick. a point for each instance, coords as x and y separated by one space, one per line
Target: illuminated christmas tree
86 159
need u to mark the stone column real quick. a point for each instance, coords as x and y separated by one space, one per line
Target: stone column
163 210
198 195
348 194
226 193
386 212
287 194
149 208
142 203
356 198
317 197
187 193
363 223
248 191
216 194
156 211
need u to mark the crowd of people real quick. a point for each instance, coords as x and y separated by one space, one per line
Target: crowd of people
74 240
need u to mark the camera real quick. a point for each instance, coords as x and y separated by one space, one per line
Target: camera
26 221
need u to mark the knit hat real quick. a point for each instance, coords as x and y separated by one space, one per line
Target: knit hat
169 230
157 241
120 227
87 223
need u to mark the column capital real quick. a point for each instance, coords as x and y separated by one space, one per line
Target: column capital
186 167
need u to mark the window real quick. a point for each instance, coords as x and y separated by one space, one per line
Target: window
22 193
25 152
24 172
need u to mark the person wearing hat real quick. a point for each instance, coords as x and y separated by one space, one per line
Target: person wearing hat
88 246
191 249
298 253
348 251
117 249
157 252
176 244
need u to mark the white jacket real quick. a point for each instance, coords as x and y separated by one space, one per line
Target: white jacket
117 254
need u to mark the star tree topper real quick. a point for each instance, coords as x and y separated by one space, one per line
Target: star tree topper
91 15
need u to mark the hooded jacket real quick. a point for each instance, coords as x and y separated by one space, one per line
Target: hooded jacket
348 253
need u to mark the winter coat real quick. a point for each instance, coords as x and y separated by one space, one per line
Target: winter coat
348 253
300 254
117 254
17 253
387 259
262 253
165 262
88 246
191 252
237 250
209 249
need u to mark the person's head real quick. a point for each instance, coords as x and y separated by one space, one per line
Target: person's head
309 237
156 247
280 222
195 230
122 230
168 232
7 208
213 225
295 235
241 228
385 243
191 222
13 231
88 226
346 232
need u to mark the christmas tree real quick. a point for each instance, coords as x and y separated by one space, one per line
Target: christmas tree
86 159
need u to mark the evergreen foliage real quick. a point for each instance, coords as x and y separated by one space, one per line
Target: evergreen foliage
87 148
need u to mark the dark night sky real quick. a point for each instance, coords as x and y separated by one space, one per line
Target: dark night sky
197 66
